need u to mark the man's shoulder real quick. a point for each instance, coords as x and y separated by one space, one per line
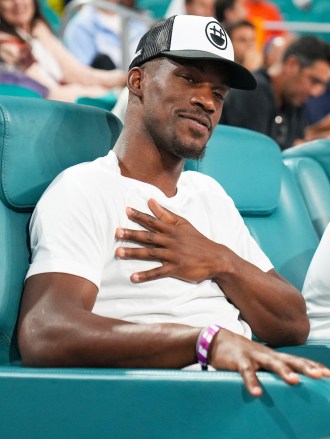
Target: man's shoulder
89 173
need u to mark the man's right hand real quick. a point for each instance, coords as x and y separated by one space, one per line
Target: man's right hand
233 352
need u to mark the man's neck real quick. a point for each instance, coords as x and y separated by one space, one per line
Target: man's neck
146 163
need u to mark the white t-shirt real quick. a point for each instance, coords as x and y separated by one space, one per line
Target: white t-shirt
316 290
73 228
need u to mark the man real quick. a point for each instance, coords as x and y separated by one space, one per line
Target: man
204 8
230 11
120 277
277 106
243 36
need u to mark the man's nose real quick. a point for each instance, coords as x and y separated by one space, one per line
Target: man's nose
203 97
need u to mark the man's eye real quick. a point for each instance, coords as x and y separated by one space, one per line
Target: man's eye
218 95
188 78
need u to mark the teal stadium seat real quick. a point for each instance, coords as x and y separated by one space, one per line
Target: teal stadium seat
38 139
310 166
157 8
249 166
18 90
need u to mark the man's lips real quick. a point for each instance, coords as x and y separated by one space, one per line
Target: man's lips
204 121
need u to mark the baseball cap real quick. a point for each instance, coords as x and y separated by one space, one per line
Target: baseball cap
195 37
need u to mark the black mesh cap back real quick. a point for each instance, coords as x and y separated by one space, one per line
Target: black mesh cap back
154 42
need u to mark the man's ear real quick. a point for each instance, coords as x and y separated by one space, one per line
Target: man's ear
135 81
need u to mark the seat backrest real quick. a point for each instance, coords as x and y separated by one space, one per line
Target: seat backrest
38 139
249 166
309 164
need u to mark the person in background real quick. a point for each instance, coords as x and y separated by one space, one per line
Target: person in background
274 49
243 36
277 107
143 265
24 27
228 12
94 35
318 116
203 8
316 290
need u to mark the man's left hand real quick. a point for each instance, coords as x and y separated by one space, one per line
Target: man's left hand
185 253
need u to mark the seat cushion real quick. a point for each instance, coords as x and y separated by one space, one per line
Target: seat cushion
42 138
247 164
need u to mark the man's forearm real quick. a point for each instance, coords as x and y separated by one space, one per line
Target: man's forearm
88 340
273 308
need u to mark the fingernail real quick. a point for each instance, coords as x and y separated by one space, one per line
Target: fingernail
256 391
293 375
135 277
120 252
120 233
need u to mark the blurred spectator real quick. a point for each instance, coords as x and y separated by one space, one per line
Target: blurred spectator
274 49
277 107
243 36
318 107
230 11
259 11
23 26
205 8
318 116
94 35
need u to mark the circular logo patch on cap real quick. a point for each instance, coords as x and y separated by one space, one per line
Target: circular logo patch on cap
216 35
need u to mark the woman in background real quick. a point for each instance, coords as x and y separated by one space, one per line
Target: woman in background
41 56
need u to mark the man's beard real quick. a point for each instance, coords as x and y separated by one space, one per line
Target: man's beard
176 147
184 151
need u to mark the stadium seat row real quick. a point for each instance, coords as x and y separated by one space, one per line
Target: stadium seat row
40 138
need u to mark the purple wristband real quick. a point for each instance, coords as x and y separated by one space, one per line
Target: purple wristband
203 344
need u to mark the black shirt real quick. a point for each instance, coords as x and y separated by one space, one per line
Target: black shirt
256 110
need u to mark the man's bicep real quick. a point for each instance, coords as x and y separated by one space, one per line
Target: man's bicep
52 292
53 309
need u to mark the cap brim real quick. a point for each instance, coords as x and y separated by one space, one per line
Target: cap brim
239 76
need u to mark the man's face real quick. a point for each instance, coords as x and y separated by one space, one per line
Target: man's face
237 12
203 8
182 104
243 39
306 81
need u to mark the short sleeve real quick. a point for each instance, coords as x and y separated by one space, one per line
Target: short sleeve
68 231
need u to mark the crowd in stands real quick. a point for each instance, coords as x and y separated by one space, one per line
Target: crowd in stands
33 49
277 107
87 61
